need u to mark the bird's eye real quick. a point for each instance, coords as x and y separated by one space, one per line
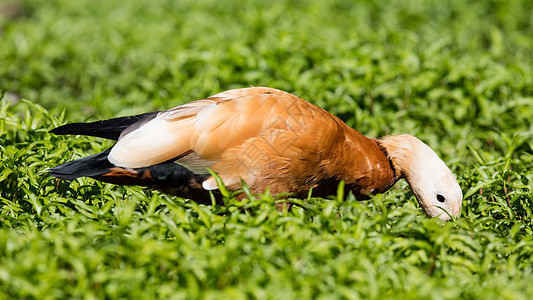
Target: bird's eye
440 198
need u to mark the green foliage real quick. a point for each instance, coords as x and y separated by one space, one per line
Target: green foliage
457 74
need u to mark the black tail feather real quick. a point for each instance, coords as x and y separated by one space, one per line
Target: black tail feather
89 166
108 129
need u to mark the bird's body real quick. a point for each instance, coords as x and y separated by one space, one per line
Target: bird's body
268 138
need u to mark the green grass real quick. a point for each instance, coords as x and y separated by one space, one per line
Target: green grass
456 74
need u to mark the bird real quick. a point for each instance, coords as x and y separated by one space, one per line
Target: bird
266 138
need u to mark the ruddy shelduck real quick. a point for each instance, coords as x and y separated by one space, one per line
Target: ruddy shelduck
267 138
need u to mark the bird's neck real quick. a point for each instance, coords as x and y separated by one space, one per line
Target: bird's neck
362 164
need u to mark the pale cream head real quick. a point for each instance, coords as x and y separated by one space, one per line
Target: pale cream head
433 184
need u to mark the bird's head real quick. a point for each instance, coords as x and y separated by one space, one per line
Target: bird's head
433 184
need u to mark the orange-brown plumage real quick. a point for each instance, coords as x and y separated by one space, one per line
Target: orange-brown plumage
269 138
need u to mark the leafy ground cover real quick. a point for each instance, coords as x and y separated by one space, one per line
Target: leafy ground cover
457 74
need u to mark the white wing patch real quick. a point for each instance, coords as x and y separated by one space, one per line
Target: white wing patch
154 142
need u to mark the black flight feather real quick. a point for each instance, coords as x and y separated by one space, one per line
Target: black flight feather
108 129
89 166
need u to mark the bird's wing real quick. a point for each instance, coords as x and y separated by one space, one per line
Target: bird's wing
239 133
